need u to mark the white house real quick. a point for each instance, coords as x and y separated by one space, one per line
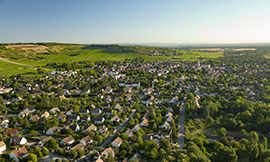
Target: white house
117 142
45 114
54 110
16 154
165 125
67 141
86 140
2 146
17 140
99 120
52 131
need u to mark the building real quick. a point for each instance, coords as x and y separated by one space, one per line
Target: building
67 141
18 153
86 140
17 140
117 142
2 146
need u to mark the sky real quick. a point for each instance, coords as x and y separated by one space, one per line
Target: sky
135 21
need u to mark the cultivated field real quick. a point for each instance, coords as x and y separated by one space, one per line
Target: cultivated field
194 55
20 59
29 48
207 49
244 49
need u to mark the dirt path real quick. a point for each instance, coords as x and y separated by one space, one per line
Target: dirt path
12 62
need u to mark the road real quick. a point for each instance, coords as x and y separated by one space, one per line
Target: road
181 134
105 143
117 129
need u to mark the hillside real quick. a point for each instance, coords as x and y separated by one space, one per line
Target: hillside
27 57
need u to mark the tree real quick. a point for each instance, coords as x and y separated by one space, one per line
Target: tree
73 154
44 151
222 132
226 154
110 158
253 146
80 152
58 160
209 122
34 133
31 157
165 144
51 144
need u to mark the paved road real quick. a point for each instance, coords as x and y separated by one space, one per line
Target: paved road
181 134
117 129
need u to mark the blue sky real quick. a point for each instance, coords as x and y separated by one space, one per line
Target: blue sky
137 21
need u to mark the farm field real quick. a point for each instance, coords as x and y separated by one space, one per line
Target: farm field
21 59
194 55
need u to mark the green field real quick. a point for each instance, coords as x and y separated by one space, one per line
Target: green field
28 62
194 55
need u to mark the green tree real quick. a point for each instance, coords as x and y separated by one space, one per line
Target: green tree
222 132
31 157
226 154
44 151
110 158
80 152
253 146
73 154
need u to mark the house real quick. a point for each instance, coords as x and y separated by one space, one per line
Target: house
17 140
18 153
52 131
74 118
54 110
169 119
23 113
147 137
136 84
34 118
144 123
85 118
108 89
93 106
12 131
104 106
103 129
43 141
5 120
96 112
127 89
86 140
136 128
73 127
99 120
91 128
106 152
45 114
70 112
129 132
2 146
67 141
117 106
61 116
117 142
136 157
99 160
115 119
30 109
84 111
165 125
158 135
121 83
107 111
78 146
